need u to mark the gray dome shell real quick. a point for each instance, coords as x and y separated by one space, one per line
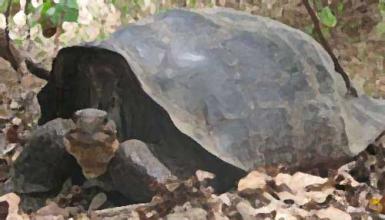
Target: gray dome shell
249 89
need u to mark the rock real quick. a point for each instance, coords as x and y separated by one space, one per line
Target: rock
44 163
203 175
14 105
134 169
16 121
96 202
249 90
93 142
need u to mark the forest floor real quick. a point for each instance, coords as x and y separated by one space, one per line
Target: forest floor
354 191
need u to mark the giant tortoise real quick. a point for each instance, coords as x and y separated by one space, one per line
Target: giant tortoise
250 90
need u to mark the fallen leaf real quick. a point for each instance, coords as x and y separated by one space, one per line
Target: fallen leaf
299 180
172 186
332 214
254 180
52 209
12 207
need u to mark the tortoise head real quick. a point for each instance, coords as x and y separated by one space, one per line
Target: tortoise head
93 142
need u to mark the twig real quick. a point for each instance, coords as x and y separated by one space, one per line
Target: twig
317 27
59 30
7 12
29 27
9 55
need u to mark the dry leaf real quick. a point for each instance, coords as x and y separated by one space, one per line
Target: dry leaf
333 214
52 209
254 180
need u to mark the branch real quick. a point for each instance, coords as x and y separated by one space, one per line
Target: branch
59 29
7 53
37 70
317 27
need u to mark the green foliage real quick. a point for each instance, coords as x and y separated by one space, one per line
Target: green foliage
3 5
192 3
380 28
139 3
340 7
327 17
51 15
65 10
381 6
309 29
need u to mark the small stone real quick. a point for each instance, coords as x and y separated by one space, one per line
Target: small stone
14 105
9 148
203 175
16 121
172 186
97 201
150 214
44 152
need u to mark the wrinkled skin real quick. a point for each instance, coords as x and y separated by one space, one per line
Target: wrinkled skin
93 142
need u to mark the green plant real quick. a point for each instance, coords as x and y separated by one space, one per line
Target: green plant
380 27
49 14
327 17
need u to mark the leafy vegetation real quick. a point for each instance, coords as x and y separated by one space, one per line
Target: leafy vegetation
327 17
